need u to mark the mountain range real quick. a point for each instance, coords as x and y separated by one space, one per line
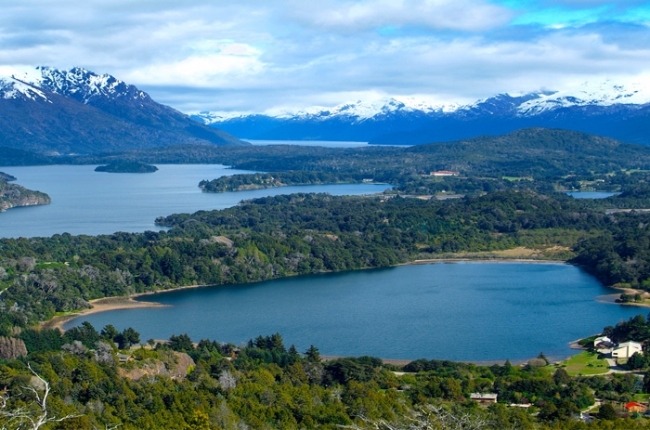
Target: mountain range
617 111
50 111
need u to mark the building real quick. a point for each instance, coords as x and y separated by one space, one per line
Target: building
627 349
444 173
636 407
484 397
603 342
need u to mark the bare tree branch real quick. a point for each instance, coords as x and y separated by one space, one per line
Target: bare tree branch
24 415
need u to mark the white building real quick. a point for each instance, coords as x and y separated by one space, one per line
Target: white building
603 342
627 349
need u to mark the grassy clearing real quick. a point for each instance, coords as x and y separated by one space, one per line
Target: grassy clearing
542 253
585 363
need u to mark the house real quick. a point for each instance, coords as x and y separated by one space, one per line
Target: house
627 349
636 407
603 342
444 173
123 358
484 397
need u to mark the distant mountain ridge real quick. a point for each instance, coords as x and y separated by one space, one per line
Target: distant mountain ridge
51 111
616 111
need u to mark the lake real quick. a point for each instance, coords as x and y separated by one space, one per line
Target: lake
89 202
591 194
456 311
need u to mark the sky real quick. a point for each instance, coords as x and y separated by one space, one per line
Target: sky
269 56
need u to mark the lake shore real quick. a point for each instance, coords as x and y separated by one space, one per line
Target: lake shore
615 298
101 305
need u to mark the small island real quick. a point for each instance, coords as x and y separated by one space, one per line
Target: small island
126 167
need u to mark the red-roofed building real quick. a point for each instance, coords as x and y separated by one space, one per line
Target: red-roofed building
636 407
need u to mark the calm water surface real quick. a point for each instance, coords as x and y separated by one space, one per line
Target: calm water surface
459 311
591 194
89 202
325 143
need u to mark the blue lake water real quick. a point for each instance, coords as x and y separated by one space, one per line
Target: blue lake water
324 143
89 202
591 194
457 311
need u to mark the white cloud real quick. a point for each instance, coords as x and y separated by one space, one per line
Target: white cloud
472 15
255 55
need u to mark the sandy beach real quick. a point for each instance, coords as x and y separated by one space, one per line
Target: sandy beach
100 305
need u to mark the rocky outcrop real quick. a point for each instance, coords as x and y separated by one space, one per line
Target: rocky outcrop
12 348
176 366
12 195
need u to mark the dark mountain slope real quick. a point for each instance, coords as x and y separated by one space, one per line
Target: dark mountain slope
76 111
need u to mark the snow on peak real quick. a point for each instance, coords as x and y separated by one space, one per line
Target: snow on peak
11 88
363 110
589 94
211 117
77 82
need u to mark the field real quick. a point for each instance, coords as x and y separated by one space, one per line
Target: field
585 363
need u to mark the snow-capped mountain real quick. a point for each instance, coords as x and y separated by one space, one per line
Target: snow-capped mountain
617 111
78 84
11 88
48 110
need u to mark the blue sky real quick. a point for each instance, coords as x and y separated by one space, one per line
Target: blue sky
286 54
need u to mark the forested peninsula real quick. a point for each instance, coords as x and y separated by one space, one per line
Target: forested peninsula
12 195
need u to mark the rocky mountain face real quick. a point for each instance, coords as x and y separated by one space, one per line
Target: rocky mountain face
51 111
616 111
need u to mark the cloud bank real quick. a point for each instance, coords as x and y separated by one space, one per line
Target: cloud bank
255 56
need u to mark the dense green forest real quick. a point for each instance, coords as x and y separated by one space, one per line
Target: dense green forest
84 379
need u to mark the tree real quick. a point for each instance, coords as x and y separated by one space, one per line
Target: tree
607 412
109 332
561 377
181 343
636 361
127 338
312 354
33 418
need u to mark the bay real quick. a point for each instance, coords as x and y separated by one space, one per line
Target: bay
89 202
459 311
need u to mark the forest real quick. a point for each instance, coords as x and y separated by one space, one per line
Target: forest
92 379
